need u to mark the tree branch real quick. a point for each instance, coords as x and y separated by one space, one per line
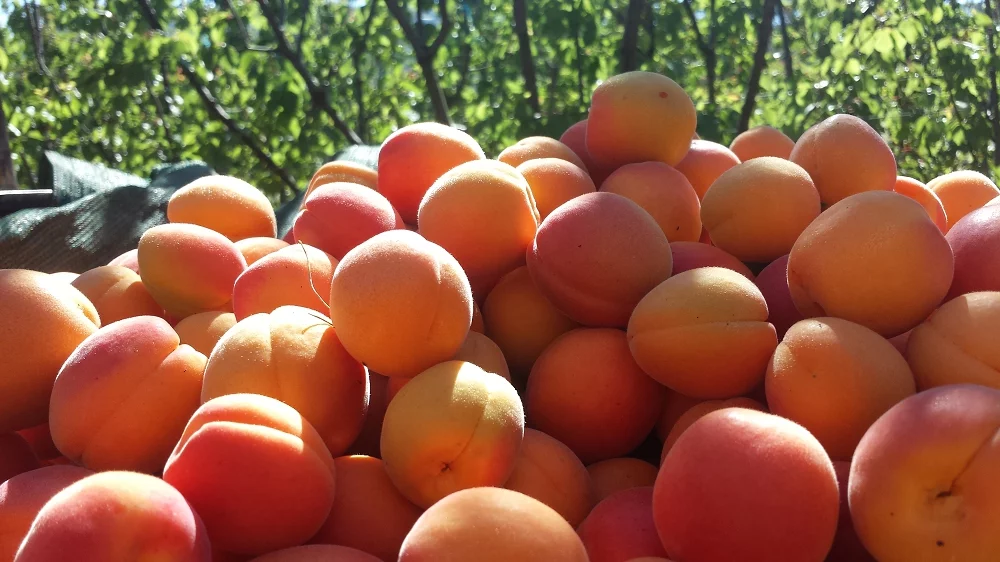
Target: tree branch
994 104
7 178
630 37
425 55
650 31
699 39
244 34
35 23
707 48
216 110
464 59
524 49
786 44
302 27
445 28
759 58
317 93
174 150
359 45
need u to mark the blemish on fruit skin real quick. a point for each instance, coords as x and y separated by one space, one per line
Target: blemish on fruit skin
663 95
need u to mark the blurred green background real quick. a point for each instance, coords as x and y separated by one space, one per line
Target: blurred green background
268 90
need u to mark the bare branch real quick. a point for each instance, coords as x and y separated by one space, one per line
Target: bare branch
397 11
162 114
786 44
702 45
759 59
707 48
425 55
630 38
650 31
445 28
7 178
524 49
35 23
359 45
216 110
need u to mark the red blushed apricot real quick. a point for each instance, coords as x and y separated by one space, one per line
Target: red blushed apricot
614 475
533 148
255 248
703 333
847 546
298 275
975 242
700 410
694 255
704 163
129 259
293 355
586 391
482 213
674 406
957 344
575 137
256 471
16 456
664 193
875 259
551 473
756 210
338 216
401 304
923 480
761 141
368 513
596 256
484 353
640 116
962 192
773 284
342 171
835 378
116 292
554 181
40 441
189 269
368 439
742 481
492 525
122 398
203 331
227 205
414 157
521 321
621 527
42 320
114 516
22 497
845 156
453 426
317 553
928 200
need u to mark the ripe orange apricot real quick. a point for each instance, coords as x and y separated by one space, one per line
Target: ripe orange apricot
664 193
227 205
342 171
116 292
614 475
550 472
704 163
962 192
928 200
532 148
575 137
762 140
554 181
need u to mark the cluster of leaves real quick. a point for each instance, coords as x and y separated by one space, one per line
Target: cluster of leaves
269 89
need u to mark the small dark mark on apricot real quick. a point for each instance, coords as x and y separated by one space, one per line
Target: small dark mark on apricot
663 95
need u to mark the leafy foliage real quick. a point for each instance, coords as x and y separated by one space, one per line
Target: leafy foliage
94 80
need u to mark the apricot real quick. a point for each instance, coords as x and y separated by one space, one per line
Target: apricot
368 513
847 546
492 525
704 163
414 157
452 427
484 353
962 192
694 255
16 456
596 256
22 497
256 471
975 242
40 441
65 276
115 516
521 321
844 156
317 553
703 333
42 320
614 475
368 439
919 192
189 269
336 217
478 324
129 259
401 304
664 193
203 331
116 292
761 141
957 343
255 248
923 480
482 213
875 259
533 148
122 398
550 472
835 378
342 171
742 484
621 527
773 284
554 181
700 410
756 210
575 137
298 275
674 406
587 391
640 116
227 205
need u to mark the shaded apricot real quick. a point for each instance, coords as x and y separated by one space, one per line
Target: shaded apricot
773 284
482 352
621 527
342 171
664 193
975 243
614 475
575 137
203 331
533 148
257 247
550 472
694 255
16 456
